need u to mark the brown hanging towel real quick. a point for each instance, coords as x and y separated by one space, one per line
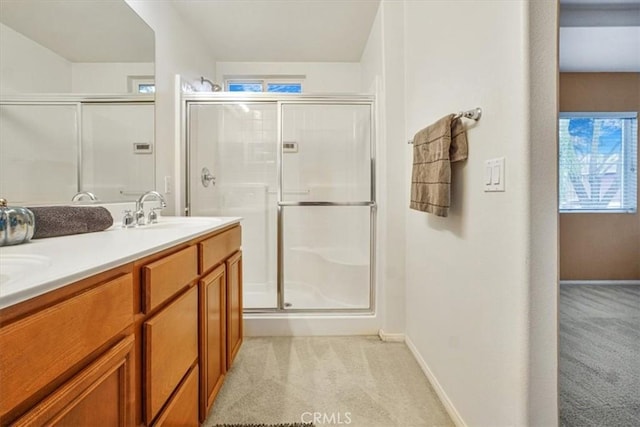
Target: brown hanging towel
434 149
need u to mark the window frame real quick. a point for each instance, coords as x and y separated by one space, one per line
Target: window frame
134 83
265 82
627 150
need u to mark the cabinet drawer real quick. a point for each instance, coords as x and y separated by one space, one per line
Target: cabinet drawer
182 411
215 249
38 349
99 395
170 348
167 276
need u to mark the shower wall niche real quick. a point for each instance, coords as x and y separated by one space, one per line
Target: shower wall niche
300 173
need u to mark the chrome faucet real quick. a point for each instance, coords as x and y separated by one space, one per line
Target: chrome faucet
79 196
139 214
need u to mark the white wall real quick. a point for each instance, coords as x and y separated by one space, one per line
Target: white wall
321 77
27 67
543 214
468 275
110 77
179 50
382 67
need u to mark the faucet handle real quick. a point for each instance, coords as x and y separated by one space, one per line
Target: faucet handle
127 219
153 216
138 217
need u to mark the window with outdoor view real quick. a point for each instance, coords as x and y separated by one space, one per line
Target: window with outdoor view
598 162
264 85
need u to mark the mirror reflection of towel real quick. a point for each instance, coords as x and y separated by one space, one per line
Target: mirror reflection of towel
434 149
52 221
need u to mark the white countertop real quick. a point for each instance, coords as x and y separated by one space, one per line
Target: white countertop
42 265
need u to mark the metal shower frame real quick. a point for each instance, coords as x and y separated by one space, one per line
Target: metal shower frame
280 100
77 100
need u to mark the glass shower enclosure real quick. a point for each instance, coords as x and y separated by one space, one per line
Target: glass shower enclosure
55 145
299 170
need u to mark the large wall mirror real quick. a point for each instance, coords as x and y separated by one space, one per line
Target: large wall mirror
76 101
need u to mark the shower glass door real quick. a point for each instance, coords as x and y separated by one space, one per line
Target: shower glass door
39 153
299 171
236 142
326 206
111 168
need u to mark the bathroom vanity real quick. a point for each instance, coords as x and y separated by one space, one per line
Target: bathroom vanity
140 332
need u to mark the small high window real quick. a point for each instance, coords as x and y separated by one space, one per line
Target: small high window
264 85
598 162
141 84
146 88
239 86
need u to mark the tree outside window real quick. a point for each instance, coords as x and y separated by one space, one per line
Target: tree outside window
598 162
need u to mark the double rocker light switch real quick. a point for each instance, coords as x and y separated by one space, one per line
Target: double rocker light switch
494 174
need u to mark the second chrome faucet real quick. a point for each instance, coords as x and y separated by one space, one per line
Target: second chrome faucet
139 215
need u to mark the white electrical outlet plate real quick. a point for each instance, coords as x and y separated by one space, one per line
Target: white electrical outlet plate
167 185
494 175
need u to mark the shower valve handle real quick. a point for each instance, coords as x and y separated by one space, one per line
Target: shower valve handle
206 177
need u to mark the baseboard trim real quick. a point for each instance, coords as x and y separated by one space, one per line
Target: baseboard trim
446 402
390 337
600 282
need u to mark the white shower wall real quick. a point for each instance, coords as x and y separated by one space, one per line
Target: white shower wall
333 159
247 171
327 249
236 142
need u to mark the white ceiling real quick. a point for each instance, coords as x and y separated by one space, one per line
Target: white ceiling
600 35
282 30
82 30
600 49
596 35
600 3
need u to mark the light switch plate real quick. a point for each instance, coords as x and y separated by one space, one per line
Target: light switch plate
494 175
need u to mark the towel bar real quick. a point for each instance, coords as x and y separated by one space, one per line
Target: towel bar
474 114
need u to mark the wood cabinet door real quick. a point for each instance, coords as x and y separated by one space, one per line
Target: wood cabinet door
170 349
234 306
101 394
213 345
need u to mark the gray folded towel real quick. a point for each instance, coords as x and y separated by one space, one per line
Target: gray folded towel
434 149
52 221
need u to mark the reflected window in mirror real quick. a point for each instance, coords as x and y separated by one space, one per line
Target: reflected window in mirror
142 84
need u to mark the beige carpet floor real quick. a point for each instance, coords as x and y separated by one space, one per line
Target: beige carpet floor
350 381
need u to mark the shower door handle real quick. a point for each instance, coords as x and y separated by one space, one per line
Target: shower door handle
206 177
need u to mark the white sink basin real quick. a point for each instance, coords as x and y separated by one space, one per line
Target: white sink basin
15 266
177 222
